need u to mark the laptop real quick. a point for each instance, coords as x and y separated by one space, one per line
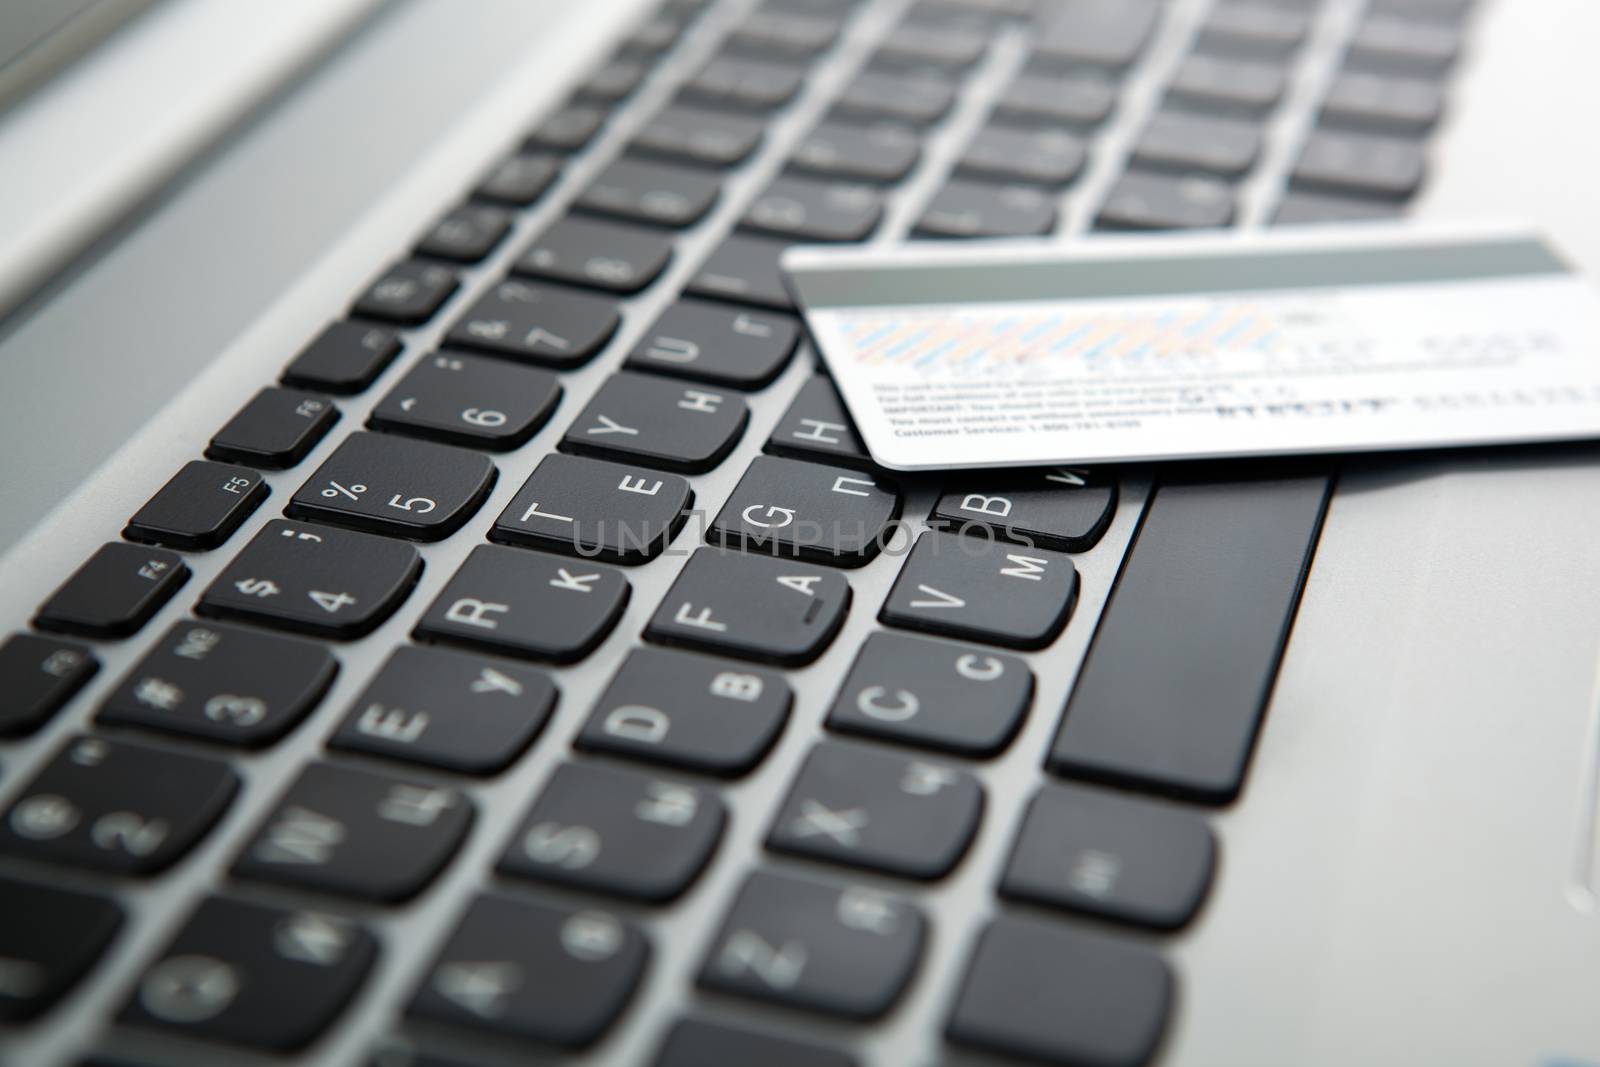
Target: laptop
450 620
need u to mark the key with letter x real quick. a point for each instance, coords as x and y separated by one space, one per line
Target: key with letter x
866 807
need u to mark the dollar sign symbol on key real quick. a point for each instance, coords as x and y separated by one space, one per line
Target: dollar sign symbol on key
257 587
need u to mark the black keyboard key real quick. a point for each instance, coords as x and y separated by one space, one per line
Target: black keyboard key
224 683
654 36
1187 143
817 427
1213 580
448 709
247 974
986 591
1232 85
658 422
744 84
1439 10
1098 33
923 41
841 950
1057 507
1393 42
536 972
1306 209
784 35
357 833
687 710
744 269
519 180
1042 157
1073 98
527 604
275 429
1163 202
590 508
871 808
935 694
467 234
64 934
568 129
346 357
335 583
1354 164
117 807
917 99
396 486
1382 103
755 608
1090 1000
200 507
880 153
697 135
1111 856
653 193
787 507
537 323
469 400
697 1043
1255 29
38 675
115 592
613 81
408 292
978 209
617 832
808 210
721 345
604 255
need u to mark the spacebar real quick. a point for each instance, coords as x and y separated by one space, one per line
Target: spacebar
1184 659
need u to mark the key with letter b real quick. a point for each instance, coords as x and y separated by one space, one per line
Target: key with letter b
687 710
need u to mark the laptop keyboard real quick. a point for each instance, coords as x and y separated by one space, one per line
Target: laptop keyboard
497 359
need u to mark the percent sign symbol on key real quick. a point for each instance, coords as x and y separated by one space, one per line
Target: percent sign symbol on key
353 491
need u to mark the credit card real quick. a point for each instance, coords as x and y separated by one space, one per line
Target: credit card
1370 337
